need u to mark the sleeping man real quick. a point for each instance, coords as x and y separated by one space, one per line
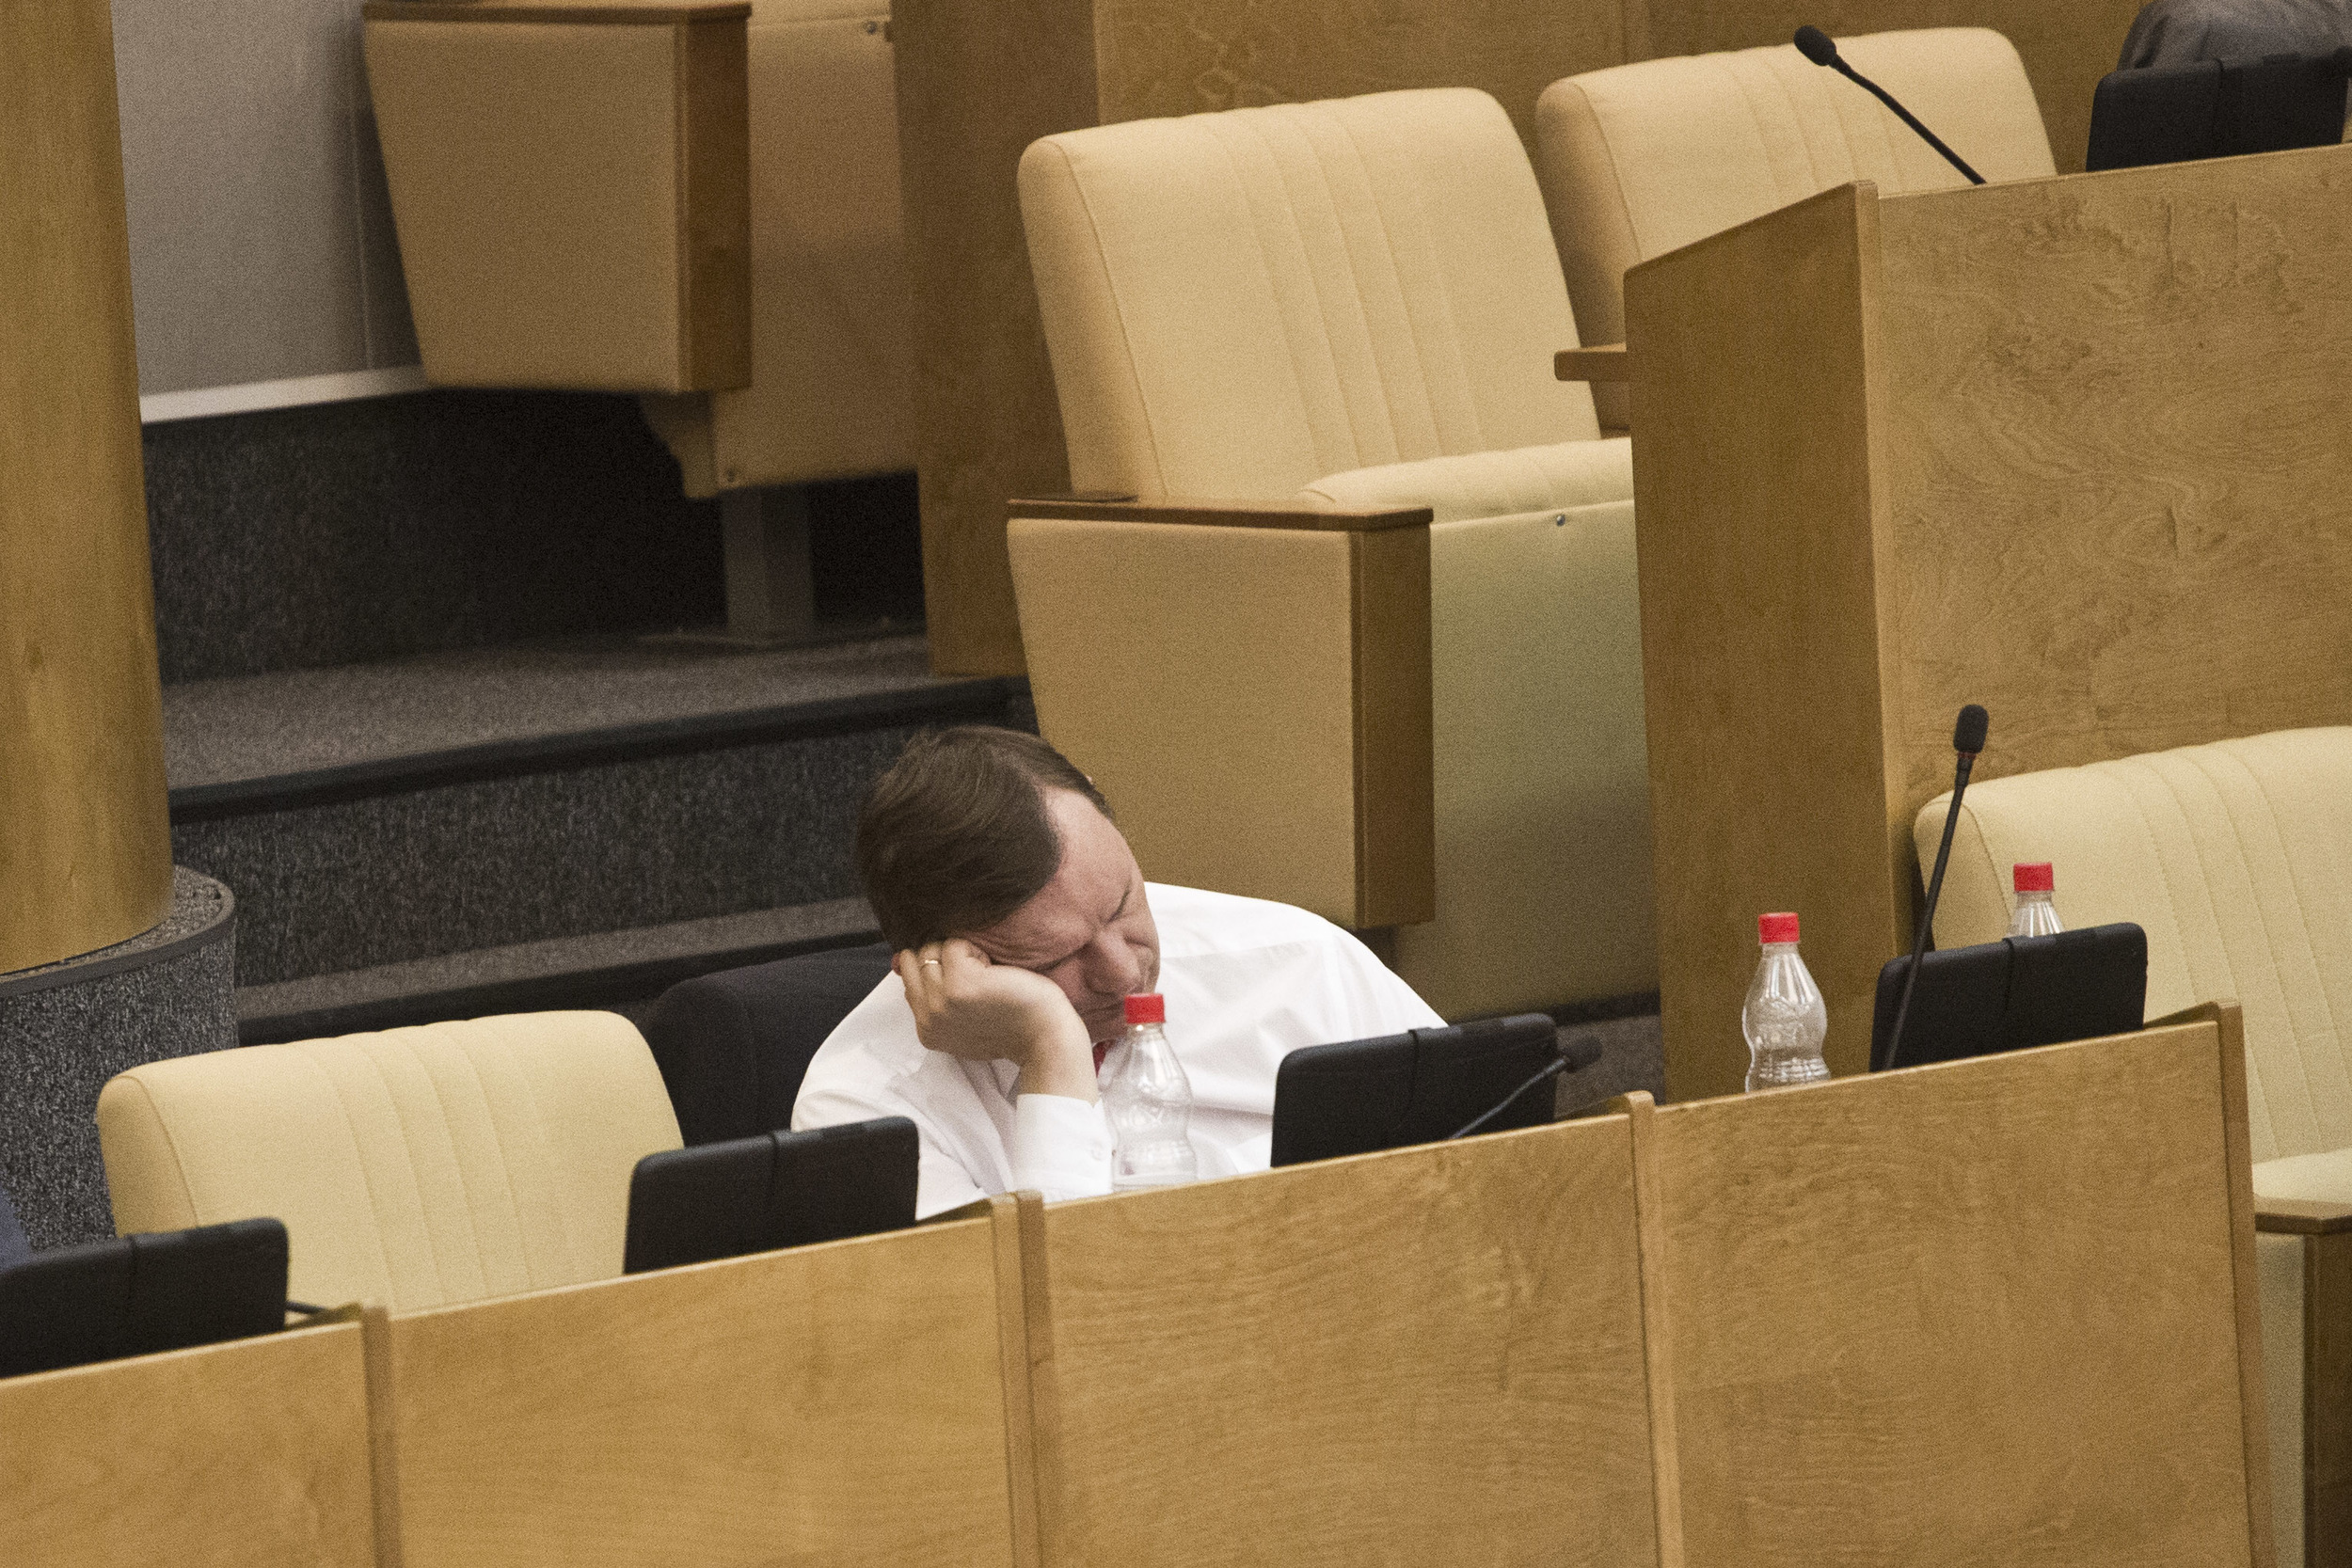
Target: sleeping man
1020 920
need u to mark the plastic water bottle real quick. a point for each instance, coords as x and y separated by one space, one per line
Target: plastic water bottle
1785 1019
2035 914
1149 1101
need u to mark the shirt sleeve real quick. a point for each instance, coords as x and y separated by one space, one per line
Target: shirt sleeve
1062 1147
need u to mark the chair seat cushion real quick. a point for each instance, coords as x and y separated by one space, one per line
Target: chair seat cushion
1490 484
2322 1178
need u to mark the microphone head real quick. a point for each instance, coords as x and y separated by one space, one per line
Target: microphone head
1968 734
1816 45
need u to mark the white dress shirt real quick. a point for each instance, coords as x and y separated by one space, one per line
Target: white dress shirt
1247 983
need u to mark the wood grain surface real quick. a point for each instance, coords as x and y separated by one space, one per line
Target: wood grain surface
2229 1021
2327 1401
2297 1216
85 849
1759 499
1389 628
977 81
1607 363
2074 449
714 182
1985 1312
1218 514
650 14
832 1404
1157 57
251 1454
2066 48
2122 469
1430 1355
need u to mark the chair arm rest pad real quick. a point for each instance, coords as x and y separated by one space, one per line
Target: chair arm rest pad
1220 513
642 12
2301 1216
1599 362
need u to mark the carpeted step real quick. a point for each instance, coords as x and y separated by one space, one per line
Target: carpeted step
623 971
381 814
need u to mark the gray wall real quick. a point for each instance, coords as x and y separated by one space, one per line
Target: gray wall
262 245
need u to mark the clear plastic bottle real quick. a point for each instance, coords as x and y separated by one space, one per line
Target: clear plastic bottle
1148 1101
2035 914
1785 1019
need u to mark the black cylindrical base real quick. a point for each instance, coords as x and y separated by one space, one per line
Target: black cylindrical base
68 1027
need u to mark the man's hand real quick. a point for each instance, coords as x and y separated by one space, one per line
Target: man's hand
966 1007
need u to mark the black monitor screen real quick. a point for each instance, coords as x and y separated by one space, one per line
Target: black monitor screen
1423 1086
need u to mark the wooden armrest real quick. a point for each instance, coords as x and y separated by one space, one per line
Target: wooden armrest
1103 507
2301 1216
1605 362
642 12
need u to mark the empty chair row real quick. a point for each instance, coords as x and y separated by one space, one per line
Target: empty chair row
1349 311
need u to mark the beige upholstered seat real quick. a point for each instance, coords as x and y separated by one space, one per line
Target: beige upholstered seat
1638 160
2237 859
1356 303
412 1168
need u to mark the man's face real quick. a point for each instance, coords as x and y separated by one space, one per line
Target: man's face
1089 930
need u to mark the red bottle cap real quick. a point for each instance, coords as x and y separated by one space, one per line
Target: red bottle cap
1149 1008
2035 877
1775 928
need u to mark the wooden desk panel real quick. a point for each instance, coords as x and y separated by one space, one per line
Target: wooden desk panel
1987 1312
836 1404
2121 461
1429 1355
2075 449
252 1454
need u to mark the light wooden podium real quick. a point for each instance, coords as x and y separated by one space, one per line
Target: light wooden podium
2079 450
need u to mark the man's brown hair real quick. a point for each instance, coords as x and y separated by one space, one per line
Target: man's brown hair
954 836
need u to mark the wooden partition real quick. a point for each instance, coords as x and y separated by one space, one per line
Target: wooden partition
2075 449
1430 1355
85 849
251 1454
1996 1311
836 1404
978 80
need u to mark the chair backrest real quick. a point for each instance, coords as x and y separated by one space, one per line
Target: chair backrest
1641 159
413 1168
733 1047
2237 858
1239 304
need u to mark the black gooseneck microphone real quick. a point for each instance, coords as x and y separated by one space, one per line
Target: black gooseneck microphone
1818 47
1967 739
1572 1058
